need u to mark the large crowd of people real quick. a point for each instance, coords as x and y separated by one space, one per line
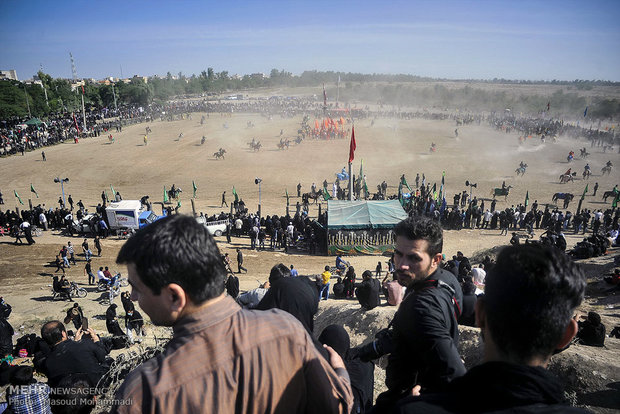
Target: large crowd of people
225 343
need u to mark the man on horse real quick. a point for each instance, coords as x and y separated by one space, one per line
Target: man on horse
568 172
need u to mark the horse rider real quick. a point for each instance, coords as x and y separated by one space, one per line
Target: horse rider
568 172
609 164
586 169
521 164
173 190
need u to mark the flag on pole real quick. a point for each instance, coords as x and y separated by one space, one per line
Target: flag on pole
548 105
443 178
361 176
32 190
585 191
585 112
403 182
82 89
286 191
326 195
113 192
235 194
527 198
614 204
352 145
165 195
195 188
324 96
179 203
76 125
18 198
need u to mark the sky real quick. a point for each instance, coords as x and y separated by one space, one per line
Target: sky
531 40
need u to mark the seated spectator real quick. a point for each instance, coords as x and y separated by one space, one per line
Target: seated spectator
394 292
362 374
614 278
84 355
368 291
338 289
532 292
232 286
615 333
76 397
119 338
591 331
468 314
250 299
478 275
28 395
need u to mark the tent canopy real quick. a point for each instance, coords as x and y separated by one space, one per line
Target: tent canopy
34 121
355 215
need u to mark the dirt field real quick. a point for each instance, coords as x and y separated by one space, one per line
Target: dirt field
388 149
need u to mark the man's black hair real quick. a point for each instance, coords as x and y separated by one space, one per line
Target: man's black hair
422 228
366 274
277 272
74 395
22 375
52 331
530 297
176 249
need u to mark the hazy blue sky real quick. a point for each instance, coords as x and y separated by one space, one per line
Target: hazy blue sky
538 40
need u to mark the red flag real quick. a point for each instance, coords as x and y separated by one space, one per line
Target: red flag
352 145
82 89
75 121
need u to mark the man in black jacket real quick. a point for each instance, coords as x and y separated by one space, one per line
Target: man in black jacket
86 356
368 291
525 315
424 336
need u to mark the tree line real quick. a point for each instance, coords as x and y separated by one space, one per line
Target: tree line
57 95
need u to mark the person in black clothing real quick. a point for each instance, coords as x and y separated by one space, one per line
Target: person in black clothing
468 314
525 315
339 290
591 331
232 286
6 330
240 262
423 339
362 374
295 295
367 293
111 323
75 315
126 301
85 355
349 282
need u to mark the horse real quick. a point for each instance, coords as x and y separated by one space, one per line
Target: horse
305 197
564 178
174 193
608 194
501 192
583 153
219 154
256 146
521 170
562 196
282 144
606 170
586 174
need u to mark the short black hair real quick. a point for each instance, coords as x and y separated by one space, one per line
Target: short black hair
22 375
422 228
74 395
176 249
51 332
530 297
278 271
367 273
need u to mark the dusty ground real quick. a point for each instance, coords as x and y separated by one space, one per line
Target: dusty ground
388 149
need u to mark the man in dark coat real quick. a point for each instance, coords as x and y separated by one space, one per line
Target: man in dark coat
525 315
86 356
368 291
423 340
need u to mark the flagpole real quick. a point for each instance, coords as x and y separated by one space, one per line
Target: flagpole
350 184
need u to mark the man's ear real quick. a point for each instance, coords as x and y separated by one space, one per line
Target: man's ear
436 259
569 334
176 297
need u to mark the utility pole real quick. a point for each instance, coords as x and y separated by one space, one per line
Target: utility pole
44 88
74 71
27 103
114 94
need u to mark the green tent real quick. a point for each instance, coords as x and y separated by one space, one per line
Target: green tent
362 227
356 215
35 122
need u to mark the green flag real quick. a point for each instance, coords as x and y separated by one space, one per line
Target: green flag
113 192
403 182
178 203
585 191
165 195
614 204
443 178
19 199
195 188
235 194
326 195
440 193
527 198
361 176
32 190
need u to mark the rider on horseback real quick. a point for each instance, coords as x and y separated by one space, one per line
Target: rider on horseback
568 172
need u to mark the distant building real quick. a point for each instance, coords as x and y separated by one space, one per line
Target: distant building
8 74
